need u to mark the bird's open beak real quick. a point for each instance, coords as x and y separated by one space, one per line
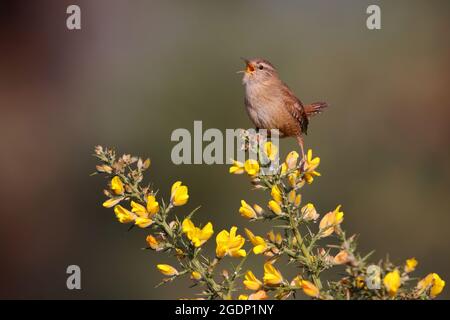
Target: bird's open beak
249 67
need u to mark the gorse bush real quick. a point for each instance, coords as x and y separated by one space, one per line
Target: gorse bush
302 237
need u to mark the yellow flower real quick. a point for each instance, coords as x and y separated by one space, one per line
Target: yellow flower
309 212
392 282
283 168
309 288
260 245
330 221
438 286
153 205
196 235
144 214
251 166
298 200
258 209
243 297
237 167
432 281
360 282
111 202
179 195
293 178
275 207
247 211
251 282
272 277
138 209
275 238
167 270
291 196
276 194
309 176
152 242
342 257
291 160
310 167
143 222
196 275
260 295
270 150
411 265
230 244
117 185
124 215
310 163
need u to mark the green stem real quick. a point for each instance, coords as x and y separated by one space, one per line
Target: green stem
306 252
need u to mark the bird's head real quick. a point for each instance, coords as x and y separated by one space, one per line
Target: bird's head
258 70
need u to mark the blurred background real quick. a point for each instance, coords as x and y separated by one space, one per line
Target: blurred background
138 70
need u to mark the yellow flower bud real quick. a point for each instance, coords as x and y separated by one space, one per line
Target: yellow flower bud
291 160
291 196
309 288
152 242
276 194
275 207
342 257
293 178
283 168
411 265
309 212
237 167
167 270
298 200
196 276
117 185
246 210
111 202
259 211
260 295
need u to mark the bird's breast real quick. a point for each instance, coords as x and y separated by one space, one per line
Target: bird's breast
264 106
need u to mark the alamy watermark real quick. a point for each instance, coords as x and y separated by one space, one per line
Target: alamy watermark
214 146
73 281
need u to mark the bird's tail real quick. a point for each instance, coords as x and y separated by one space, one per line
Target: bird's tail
315 108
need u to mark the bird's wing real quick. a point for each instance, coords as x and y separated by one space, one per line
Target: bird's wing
295 107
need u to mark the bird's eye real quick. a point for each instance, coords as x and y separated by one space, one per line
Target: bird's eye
260 67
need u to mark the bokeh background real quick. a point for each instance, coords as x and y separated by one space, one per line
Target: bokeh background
140 69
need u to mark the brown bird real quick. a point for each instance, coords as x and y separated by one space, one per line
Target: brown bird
272 105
